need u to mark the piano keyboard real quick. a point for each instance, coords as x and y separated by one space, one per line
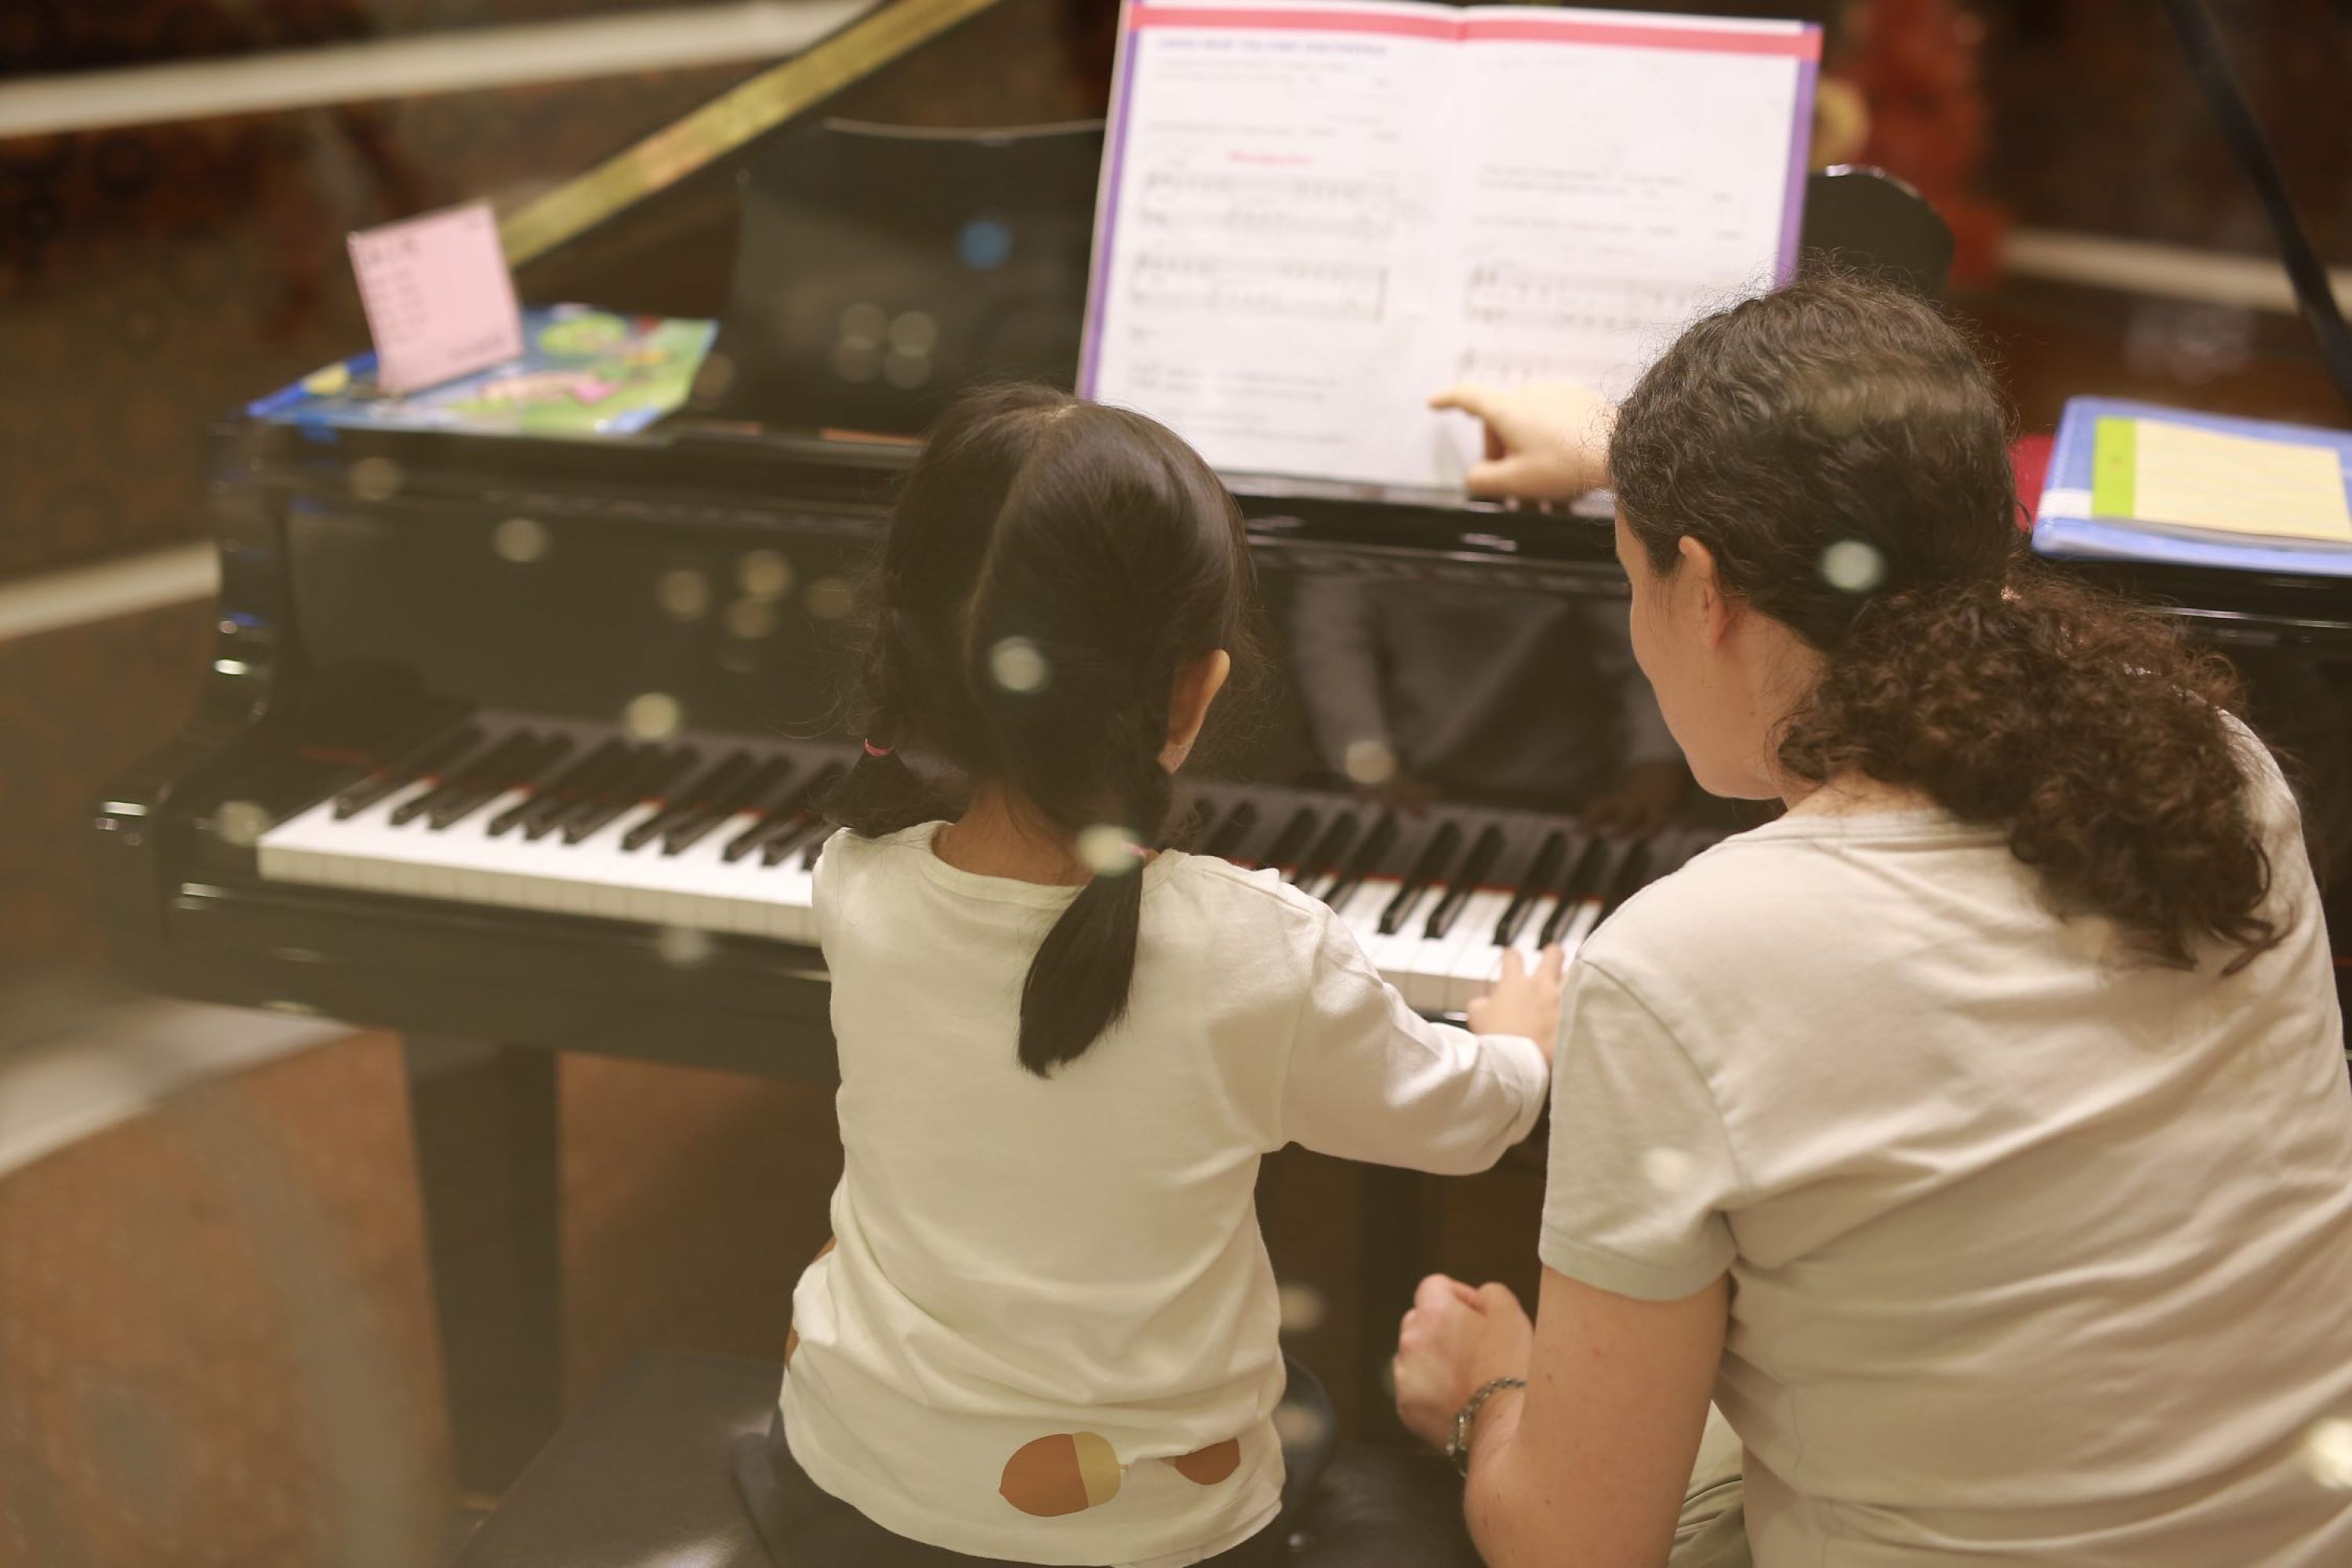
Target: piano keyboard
723 836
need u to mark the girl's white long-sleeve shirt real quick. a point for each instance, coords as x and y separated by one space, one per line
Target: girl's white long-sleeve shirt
1047 1330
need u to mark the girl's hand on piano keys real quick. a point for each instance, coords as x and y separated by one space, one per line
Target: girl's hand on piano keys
1548 440
1524 1001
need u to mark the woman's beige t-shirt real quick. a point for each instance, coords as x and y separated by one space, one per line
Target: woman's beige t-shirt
2037 1255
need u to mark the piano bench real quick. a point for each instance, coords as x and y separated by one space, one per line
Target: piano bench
643 1478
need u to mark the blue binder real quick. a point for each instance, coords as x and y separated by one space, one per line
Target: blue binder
2066 527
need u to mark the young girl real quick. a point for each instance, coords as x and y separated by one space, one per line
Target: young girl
1047 1330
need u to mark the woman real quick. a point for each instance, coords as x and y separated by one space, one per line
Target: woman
1977 1133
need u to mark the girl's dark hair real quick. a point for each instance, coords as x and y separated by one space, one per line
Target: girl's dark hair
1840 448
1051 566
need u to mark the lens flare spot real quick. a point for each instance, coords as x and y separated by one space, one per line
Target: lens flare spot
914 333
240 824
764 573
751 620
683 594
1370 762
831 599
655 716
1109 851
1669 1170
1303 1308
375 478
1853 567
1301 1426
521 540
684 947
985 245
863 324
1017 665
2328 1451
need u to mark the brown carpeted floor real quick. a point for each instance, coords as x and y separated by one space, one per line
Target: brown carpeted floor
215 1337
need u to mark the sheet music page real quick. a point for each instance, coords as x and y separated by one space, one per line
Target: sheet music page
1269 251
1316 213
1617 176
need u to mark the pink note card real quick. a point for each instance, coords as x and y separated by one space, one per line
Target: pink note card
440 302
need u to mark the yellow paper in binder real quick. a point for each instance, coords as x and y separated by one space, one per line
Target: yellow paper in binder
2157 471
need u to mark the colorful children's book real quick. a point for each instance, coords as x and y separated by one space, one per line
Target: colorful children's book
583 373
2134 481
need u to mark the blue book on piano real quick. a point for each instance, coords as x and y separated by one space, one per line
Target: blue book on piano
2135 481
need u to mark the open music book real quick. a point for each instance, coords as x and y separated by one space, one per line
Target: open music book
1316 213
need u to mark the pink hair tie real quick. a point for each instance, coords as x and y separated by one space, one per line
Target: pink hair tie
873 751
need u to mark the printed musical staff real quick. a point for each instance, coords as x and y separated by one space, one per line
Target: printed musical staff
1269 205
1301 289
1505 294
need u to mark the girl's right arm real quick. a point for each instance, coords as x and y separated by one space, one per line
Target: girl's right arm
1369 1078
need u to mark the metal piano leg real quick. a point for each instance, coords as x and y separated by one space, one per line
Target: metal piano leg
484 1121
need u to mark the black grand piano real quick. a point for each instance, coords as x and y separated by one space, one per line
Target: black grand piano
519 745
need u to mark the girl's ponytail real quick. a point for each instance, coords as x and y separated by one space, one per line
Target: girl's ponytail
1079 982
1050 570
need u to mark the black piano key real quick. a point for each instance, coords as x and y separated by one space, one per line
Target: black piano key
1631 875
1196 826
1436 856
497 762
655 772
1232 832
1293 839
1324 855
564 790
805 831
815 844
1365 859
785 814
755 787
690 802
1577 887
426 757
543 754
1485 850
1533 887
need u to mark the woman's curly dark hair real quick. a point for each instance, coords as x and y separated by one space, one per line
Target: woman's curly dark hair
1841 450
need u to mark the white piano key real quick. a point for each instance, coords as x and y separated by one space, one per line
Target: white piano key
1467 965
1580 926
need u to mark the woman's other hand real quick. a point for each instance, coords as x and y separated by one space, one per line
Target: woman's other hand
1453 1340
1548 440
1524 1001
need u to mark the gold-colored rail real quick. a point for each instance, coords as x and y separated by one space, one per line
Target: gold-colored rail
727 122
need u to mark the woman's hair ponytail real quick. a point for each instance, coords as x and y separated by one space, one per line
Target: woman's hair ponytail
1841 451
1050 569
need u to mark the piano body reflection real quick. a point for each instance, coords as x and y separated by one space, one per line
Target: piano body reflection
519 744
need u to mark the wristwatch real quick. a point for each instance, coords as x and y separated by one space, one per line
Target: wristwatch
1466 1420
